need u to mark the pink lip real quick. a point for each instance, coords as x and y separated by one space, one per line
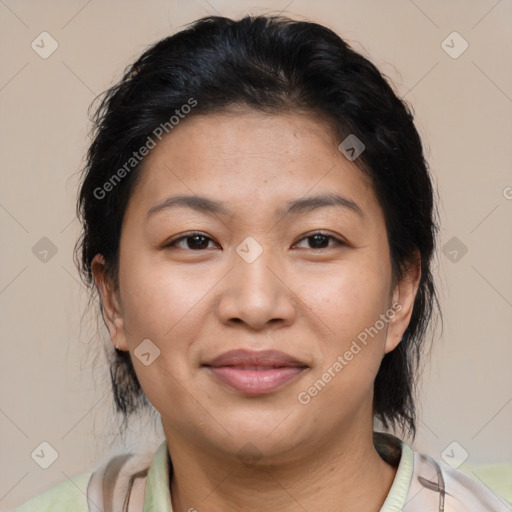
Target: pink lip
255 373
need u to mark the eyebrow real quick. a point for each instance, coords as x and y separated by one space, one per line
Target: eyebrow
298 206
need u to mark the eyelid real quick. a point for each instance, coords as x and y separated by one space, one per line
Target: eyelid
172 242
184 236
339 241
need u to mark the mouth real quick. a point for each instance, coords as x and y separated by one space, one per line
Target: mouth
255 373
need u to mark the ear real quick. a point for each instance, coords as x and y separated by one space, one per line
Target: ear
404 294
110 303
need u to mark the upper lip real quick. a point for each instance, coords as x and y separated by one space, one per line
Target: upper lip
242 357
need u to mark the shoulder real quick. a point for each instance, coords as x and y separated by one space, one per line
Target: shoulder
64 497
450 489
114 478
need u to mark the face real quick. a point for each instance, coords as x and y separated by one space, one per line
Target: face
300 288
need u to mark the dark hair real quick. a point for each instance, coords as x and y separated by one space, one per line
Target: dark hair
275 65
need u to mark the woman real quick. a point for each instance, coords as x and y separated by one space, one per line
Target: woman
258 219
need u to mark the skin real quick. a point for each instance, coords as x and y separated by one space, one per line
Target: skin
309 302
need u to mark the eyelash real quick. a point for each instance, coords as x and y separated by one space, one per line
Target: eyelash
172 243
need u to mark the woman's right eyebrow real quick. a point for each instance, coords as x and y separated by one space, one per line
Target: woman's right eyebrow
295 207
198 203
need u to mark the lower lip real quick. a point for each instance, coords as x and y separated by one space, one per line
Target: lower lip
256 382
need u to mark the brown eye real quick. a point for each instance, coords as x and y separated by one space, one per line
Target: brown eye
192 241
321 241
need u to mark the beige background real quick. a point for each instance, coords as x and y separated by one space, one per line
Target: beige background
53 378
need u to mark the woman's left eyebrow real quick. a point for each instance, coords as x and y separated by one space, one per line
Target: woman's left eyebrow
295 207
309 203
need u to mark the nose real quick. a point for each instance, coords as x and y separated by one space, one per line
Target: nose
257 294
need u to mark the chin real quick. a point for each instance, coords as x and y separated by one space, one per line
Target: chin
264 439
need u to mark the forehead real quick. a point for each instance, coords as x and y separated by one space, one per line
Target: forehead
246 158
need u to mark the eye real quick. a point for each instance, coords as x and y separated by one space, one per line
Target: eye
320 240
197 241
193 241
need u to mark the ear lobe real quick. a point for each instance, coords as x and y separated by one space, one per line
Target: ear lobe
110 304
404 296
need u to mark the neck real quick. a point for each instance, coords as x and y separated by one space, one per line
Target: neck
345 475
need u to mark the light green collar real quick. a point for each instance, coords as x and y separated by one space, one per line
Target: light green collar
158 497
397 495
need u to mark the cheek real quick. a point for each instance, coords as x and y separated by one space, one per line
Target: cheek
349 303
160 305
157 298
348 299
